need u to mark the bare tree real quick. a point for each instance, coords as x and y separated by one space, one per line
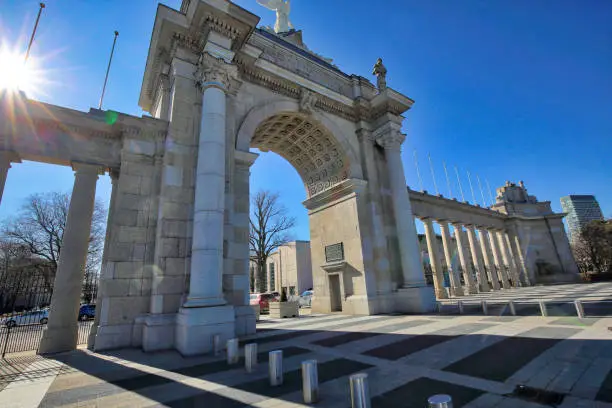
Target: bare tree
269 229
39 229
593 249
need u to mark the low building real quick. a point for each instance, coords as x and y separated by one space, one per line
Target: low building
289 267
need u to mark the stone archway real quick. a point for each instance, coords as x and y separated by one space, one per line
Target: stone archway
321 152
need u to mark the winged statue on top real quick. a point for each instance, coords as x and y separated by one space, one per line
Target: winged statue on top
282 8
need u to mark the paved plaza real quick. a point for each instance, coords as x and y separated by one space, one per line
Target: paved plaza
479 360
567 292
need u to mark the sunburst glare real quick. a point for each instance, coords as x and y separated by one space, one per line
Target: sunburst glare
18 75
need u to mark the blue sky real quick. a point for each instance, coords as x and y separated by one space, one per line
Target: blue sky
509 90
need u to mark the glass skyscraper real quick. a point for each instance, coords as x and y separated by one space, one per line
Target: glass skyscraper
580 209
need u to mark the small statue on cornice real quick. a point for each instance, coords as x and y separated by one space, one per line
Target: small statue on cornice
282 8
381 75
308 100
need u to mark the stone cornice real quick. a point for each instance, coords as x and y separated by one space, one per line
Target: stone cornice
337 193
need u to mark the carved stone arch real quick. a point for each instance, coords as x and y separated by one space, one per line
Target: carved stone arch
323 155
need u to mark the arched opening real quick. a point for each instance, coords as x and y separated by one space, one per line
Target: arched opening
327 170
308 146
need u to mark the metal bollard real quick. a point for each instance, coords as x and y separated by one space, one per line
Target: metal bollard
512 308
460 304
484 307
543 308
275 367
250 357
310 381
360 392
440 401
216 344
579 309
232 351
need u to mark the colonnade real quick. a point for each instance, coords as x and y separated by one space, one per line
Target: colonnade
487 260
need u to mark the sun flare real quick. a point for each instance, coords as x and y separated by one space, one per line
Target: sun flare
16 74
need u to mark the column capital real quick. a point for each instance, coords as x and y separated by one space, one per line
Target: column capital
457 225
7 157
114 175
366 135
86 168
391 141
216 73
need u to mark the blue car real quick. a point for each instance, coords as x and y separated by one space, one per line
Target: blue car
87 312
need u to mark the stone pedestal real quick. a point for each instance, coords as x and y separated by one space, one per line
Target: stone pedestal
158 332
415 300
195 328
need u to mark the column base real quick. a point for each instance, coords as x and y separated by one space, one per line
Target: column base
456 291
415 300
113 337
471 290
58 339
195 328
158 332
441 293
246 320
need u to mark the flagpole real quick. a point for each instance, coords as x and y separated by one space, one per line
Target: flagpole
42 6
416 164
450 190
110 60
471 188
433 174
489 189
459 181
484 202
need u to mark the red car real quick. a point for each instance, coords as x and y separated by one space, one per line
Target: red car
263 300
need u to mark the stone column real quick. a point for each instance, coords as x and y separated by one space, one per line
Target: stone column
62 330
464 260
515 257
383 281
485 245
205 310
236 284
114 175
499 261
205 285
507 256
477 258
447 243
407 237
6 158
436 268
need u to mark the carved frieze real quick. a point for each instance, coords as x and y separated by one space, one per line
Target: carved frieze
308 100
304 65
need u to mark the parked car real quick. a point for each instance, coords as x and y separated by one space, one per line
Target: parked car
26 318
263 300
87 312
306 298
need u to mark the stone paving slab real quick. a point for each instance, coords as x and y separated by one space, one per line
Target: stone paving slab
477 359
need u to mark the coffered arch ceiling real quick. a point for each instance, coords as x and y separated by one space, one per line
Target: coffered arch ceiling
308 146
